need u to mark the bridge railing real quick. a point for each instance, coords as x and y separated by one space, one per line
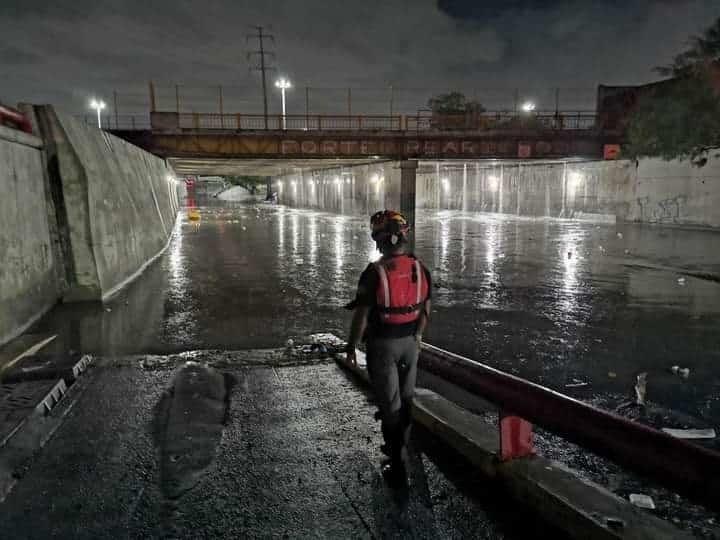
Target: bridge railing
124 122
689 469
274 122
502 120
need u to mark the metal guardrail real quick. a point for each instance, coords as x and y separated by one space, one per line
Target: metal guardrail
689 469
15 119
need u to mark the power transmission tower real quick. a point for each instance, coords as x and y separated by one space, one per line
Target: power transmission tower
263 67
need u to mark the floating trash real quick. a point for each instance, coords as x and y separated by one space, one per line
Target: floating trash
642 501
691 433
681 281
641 388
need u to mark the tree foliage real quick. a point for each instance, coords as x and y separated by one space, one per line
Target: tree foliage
453 103
681 118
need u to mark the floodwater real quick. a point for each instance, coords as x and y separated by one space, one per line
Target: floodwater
555 301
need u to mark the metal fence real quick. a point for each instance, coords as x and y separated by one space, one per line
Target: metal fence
311 99
129 122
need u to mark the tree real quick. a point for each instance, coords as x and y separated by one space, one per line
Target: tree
681 117
453 103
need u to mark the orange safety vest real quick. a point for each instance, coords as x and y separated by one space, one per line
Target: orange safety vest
402 289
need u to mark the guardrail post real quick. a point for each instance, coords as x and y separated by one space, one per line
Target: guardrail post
237 118
516 437
319 122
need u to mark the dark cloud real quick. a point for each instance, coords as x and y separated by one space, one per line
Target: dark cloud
63 52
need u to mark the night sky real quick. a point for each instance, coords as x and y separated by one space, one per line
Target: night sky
65 52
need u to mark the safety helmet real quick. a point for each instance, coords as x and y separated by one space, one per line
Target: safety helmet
389 226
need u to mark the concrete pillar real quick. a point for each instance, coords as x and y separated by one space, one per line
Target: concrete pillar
408 185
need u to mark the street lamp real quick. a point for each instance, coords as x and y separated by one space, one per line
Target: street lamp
528 106
283 84
98 105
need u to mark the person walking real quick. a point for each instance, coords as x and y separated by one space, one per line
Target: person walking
392 307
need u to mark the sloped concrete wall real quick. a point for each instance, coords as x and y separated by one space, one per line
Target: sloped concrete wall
676 193
121 204
28 282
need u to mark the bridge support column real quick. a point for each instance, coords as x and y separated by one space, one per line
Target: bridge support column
408 186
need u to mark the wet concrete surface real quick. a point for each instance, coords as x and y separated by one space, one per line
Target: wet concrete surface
297 457
554 301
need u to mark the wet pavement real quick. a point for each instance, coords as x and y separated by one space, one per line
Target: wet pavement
282 450
558 302
555 301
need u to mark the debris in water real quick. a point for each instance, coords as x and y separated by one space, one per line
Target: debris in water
641 388
612 374
244 228
681 281
620 235
108 309
691 433
569 254
613 522
578 384
627 252
642 501
602 249
290 343
682 372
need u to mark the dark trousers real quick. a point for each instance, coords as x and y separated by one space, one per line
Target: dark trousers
392 366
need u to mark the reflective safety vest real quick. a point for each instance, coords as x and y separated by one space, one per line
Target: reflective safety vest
402 289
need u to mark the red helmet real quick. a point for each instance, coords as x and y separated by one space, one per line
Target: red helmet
389 226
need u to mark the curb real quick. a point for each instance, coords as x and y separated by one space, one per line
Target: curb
574 505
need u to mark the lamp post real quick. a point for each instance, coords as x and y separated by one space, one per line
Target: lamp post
98 105
283 84
528 107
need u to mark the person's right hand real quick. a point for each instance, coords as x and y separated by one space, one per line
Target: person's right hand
351 357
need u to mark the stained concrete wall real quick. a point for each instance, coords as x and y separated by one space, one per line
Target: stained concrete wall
28 281
675 193
81 214
120 204
359 190
591 190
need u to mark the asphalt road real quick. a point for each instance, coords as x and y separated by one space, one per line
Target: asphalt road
157 448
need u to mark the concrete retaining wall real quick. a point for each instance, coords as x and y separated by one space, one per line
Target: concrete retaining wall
120 201
28 284
591 190
359 190
81 214
675 192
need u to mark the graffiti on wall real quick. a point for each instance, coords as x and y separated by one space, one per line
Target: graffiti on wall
663 211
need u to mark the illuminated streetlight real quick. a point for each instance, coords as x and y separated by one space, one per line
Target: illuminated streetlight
98 105
528 106
283 84
446 184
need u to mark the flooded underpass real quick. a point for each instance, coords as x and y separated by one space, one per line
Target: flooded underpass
555 301
581 307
